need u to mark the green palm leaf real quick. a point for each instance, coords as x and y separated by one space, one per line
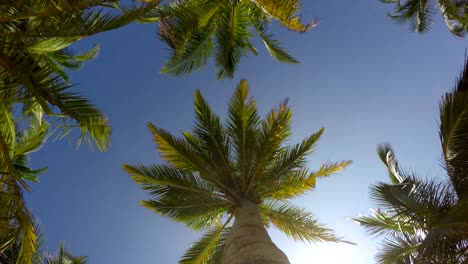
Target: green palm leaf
242 127
212 137
232 34
285 11
288 159
261 24
298 182
420 14
398 250
196 53
275 129
209 248
454 133
197 212
380 222
297 223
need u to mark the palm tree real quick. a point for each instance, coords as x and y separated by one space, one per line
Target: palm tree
420 14
34 53
64 256
196 30
16 221
239 171
426 221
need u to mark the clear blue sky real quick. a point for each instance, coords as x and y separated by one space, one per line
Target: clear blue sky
364 78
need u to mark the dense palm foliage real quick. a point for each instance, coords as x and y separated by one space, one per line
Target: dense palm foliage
64 256
426 221
34 57
197 30
34 53
212 169
420 13
12 255
18 138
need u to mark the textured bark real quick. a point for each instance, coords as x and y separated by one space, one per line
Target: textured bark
249 242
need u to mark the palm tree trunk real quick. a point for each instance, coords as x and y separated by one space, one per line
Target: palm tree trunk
249 242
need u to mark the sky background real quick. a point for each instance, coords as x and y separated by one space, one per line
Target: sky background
364 78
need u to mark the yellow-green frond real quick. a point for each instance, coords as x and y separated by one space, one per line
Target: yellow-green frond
297 223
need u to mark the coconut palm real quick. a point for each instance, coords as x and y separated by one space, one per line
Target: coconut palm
34 47
420 14
426 221
16 222
34 57
239 172
64 256
197 30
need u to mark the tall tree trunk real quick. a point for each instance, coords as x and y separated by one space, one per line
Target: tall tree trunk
249 242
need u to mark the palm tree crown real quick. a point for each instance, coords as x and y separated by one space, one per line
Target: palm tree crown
212 173
35 53
420 14
64 256
196 30
426 221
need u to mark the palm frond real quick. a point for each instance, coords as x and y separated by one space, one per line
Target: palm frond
297 223
209 248
32 138
398 250
180 196
454 133
382 223
46 90
455 16
297 182
160 179
261 24
28 238
418 13
217 254
200 252
242 128
417 199
177 151
11 254
275 129
285 11
387 156
198 49
213 138
195 211
232 39
288 159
